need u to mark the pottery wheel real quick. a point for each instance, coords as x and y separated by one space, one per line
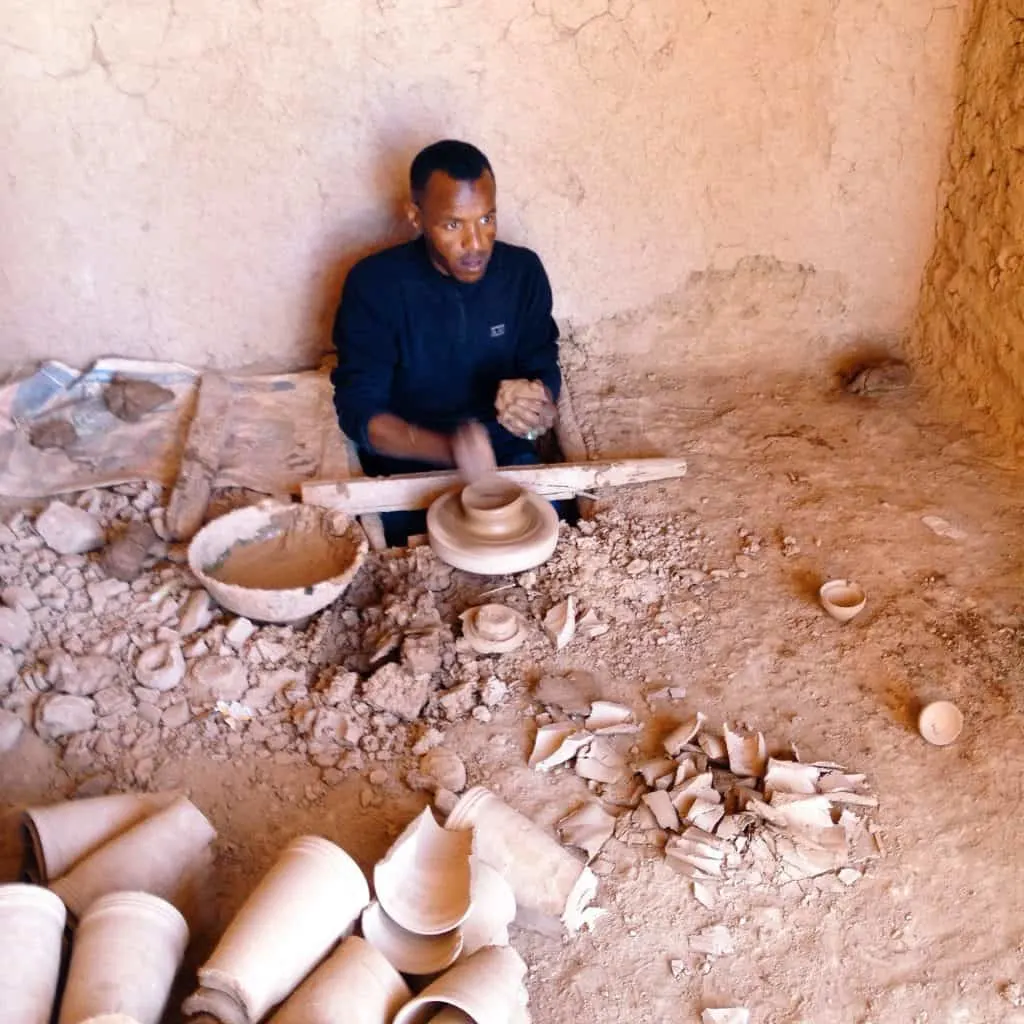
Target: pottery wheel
492 528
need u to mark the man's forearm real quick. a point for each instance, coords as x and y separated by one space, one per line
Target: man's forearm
391 435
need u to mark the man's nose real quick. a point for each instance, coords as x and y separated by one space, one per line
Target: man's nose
474 240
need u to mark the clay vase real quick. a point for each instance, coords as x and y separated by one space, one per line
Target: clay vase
407 952
487 987
355 984
493 910
160 855
58 836
127 951
31 934
304 904
547 880
423 882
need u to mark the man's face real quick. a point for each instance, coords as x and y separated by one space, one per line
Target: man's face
459 222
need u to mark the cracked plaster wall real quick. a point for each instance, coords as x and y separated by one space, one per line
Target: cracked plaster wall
704 180
970 329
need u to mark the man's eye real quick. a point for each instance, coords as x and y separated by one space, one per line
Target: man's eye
451 225
488 219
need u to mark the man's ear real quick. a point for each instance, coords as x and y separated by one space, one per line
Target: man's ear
414 216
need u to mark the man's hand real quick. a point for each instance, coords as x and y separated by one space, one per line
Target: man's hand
472 452
525 408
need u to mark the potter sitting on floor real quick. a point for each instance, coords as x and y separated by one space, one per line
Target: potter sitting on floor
429 332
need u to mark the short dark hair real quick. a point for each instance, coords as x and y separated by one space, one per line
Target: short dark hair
459 160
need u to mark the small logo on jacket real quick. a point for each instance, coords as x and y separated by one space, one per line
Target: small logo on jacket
497 330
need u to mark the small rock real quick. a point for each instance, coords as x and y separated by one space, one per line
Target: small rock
341 688
457 702
446 769
52 433
160 667
482 714
60 715
124 558
130 398
393 689
8 668
11 727
637 567
114 700
20 597
196 614
238 632
150 714
177 715
214 678
69 531
82 677
494 692
378 777
421 653
102 592
16 627
431 738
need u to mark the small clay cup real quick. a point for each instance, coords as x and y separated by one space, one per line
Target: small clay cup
494 508
940 722
842 599
31 934
127 951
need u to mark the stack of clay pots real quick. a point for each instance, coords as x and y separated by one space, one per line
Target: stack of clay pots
113 866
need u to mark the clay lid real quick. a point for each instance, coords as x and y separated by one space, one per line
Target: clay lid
940 722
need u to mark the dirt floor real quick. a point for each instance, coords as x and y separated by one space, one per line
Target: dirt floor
786 487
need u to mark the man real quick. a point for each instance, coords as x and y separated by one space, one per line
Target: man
429 331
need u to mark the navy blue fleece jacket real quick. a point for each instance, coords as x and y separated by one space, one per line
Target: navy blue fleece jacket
432 350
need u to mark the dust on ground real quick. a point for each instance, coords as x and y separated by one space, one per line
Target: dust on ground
707 583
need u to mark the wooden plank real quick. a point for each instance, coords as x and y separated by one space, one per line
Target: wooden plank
201 459
418 490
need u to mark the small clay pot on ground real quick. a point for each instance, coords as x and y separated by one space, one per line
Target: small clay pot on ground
161 855
127 951
547 880
31 936
355 984
304 904
58 836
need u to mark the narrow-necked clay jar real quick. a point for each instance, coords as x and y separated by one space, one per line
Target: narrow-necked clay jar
355 984
160 855
58 836
31 934
487 987
547 880
128 948
304 904
423 882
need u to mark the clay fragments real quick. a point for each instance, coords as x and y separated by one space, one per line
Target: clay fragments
587 828
124 558
160 667
69 531
11 728
560 622
58 715
16 628
391 688
492 910
444 768
84 676
215 678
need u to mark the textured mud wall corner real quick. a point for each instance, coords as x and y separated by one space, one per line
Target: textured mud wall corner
970 329
189 179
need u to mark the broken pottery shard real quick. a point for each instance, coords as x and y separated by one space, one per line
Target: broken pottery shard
790 777
661 807
943 528
878 379
849 876
560 622
797 811
588 828
714 941
557 744
590 625
69 531
704 894
840 782
131 398
393 689
714 746
684 795
676 740
602 763
196 614
606 716
655 769
727 1015
747 752
705 814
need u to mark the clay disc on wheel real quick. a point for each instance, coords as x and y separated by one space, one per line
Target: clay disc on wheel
454 544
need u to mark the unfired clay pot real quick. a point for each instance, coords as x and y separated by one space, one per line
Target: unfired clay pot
493 910
423 882
58 836
355 984
405 951
547 880
31 932
842 599
160 855
940 722
492 527
487 987
303 905
128 948
494 629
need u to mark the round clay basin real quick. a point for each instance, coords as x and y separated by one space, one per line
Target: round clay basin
275 562
842 599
